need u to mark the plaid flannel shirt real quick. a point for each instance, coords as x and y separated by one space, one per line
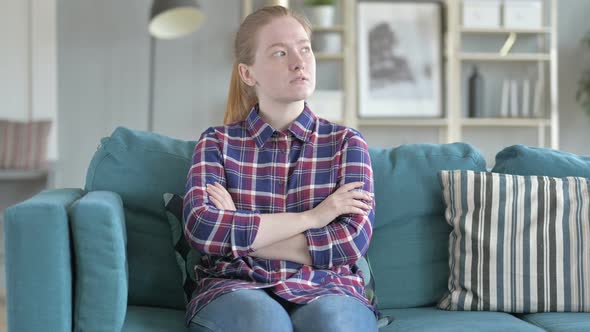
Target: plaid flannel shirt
268 171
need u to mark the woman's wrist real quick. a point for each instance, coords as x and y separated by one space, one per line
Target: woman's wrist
308 219
294 249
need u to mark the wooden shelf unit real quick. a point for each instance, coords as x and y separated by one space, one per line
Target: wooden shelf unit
453 122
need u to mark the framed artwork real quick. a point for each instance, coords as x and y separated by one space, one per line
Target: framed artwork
399 59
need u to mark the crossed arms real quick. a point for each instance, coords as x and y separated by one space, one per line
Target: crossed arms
335 232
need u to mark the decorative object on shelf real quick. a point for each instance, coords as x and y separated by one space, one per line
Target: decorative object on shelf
399 59
523 14
481 13
328 42
23 144
475 91
169 19
321 13
583 93
508 44
327 104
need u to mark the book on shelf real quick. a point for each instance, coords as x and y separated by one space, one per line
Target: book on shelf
525 111
513 98
504 101
538 98
516 101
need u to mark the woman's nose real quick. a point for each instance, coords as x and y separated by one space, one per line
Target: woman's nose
296 63
297 66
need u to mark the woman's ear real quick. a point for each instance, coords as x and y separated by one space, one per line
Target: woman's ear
246 74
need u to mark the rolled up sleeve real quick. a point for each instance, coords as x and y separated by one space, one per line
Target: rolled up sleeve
347 238
208 229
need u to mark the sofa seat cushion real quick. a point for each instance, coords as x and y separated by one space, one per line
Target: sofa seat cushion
435 320
153 319
560 321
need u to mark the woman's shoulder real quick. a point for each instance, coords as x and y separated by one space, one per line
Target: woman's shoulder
236 129
335 130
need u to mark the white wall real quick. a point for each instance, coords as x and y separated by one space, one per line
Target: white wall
28 63
574 58
14 64
103 67
103 75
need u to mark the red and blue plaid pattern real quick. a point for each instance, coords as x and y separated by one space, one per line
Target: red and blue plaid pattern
267 171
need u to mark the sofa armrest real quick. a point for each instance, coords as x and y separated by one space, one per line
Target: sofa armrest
101 285
39 262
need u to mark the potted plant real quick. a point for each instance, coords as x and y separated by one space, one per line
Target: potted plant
583 93
321 12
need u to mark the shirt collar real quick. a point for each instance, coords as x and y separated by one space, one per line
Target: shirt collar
261 131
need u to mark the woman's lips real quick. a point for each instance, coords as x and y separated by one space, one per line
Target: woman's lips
299 81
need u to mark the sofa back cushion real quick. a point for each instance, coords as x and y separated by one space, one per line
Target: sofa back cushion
140 167
525 160
409 248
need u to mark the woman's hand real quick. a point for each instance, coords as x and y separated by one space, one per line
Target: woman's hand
220 197
343 201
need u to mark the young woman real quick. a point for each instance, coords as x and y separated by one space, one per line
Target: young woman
278 201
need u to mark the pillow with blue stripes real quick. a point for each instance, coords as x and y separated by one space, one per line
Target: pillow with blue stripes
518 243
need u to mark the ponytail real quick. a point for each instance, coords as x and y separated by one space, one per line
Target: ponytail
240 100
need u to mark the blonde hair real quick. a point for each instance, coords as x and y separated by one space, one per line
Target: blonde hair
241 97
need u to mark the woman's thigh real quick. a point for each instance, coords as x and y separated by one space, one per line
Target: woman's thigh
333 313
242 310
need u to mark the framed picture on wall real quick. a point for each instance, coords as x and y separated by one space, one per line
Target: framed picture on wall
399 59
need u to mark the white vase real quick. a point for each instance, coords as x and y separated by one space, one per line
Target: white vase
322 16
326 42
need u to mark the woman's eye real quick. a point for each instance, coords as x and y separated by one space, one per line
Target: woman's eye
307 49
279 53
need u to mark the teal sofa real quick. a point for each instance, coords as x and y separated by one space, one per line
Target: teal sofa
101 258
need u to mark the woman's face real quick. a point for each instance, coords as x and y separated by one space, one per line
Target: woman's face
284 64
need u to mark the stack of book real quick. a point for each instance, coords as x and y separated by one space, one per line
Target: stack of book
520 99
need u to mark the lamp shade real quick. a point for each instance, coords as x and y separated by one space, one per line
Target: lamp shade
174 18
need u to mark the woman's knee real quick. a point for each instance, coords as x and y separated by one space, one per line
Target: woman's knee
242 310
334 313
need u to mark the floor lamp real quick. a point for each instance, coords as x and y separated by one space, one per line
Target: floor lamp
169 19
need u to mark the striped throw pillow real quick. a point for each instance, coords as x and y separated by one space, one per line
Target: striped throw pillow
518 244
